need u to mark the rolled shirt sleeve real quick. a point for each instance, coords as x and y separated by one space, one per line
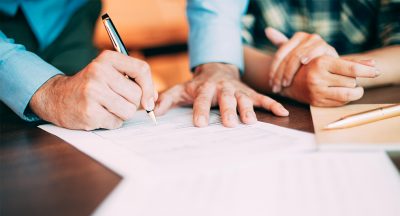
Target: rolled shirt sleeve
22 73
215 31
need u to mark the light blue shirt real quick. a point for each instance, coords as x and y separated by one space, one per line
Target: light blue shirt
22 72
215 31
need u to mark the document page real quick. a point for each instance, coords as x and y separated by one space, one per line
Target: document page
308 184
176 139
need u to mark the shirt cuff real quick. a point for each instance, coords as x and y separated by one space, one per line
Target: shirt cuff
216 43
22 74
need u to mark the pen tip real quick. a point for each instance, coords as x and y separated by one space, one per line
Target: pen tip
152 116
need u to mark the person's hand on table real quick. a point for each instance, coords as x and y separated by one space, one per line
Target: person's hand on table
329 81
301 49
99 96
217 84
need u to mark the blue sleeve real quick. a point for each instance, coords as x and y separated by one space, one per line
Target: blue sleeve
22 73
215 31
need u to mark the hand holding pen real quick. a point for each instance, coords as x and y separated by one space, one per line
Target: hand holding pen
120 47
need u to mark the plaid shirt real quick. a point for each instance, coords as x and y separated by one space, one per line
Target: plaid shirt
350 26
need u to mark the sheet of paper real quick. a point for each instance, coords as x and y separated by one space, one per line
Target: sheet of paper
176 142
309 184
178 169
383 134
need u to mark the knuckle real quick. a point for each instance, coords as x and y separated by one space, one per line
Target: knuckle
206 85
89 89
118 123
106 54
347 95
300 34
143 67
353 70
278 56
320 61
241 96
353 83
224 85
315 37
93 67
225 93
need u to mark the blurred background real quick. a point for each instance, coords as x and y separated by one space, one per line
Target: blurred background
154 31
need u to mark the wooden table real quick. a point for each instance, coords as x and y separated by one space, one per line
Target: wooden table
41 174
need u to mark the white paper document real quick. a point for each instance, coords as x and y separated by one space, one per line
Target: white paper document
308 184
177 142
177 169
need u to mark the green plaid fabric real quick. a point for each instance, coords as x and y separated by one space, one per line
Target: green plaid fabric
350 26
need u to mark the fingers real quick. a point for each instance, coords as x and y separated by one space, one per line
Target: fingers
136 69
245 108
107 120
335 80
281 54
168 99
126 88
269 104
202 104
276 37
227 104
117 105
347 68
344 94
370 62
319 51
97 117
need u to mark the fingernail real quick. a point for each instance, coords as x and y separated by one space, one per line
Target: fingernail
249 115
150 104
201 120
377 73
275 89
284 83
285 112
304 60
270 82
231 117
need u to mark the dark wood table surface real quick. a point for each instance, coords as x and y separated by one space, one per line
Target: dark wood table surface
41 174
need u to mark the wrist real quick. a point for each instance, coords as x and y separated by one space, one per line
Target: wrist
42 101
217 67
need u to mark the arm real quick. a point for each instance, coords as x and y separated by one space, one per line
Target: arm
215 50
22 73
325 81
387 62
257 67
215 31
99 96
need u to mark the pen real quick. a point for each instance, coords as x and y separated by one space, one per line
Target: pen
365 117
120 47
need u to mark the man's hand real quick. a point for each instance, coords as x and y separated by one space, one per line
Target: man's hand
99 96
329 81
217 84
292 54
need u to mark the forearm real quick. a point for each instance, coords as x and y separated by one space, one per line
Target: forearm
256 66
388 63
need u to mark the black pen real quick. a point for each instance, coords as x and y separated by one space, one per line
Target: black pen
120 47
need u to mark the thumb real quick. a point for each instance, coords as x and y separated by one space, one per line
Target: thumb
276 37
